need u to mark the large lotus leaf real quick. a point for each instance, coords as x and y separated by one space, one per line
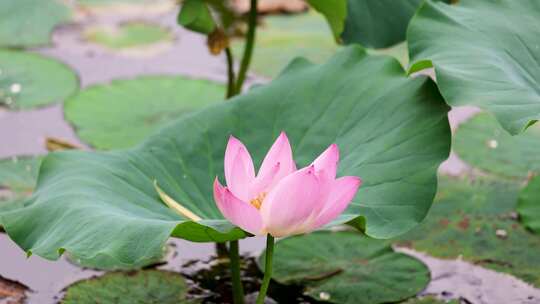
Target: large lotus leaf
392 130
378 23
17 181
346 268
335 12
28 80
123 113
474 219
485 53
142 287
529 205
30 22
483 144
283 37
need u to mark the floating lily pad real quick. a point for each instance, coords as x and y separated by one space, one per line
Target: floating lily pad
28 80
282 38
392 131
26 23
17 181
141 287
348 268
529 205
485 53
123 113
128 35
484 144
475 220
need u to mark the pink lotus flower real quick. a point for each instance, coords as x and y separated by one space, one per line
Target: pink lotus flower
281 200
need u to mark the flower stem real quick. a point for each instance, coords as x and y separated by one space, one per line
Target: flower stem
230 73
238 289
248 48
267 269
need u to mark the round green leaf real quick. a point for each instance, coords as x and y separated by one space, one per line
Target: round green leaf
485 53
128 35
482 143
30 22
392 131
378 23
529 205
284 37
142 287
28 80
475 221
347 268
121 114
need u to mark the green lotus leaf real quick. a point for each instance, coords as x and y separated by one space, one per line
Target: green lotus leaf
474 219
17 181
348 268
529 205
29 80
141 287
485 53
128 35
281 38
335 12
123 113
392 130
378 23
485 145
196 16
25 23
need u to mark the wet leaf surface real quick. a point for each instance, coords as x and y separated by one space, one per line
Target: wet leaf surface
347 268
139 287
475 219
484 144
128 35
123 113
529 205
493 62
29 80
103 204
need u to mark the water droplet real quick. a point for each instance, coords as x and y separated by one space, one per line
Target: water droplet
492 143
184 176
325 296
15 88
8 100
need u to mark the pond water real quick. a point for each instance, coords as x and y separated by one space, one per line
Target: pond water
24 133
